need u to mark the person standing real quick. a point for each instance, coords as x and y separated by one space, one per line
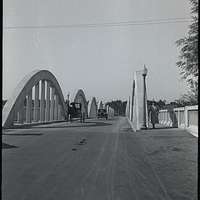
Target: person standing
153 114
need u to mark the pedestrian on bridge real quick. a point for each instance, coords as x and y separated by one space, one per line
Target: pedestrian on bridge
153 114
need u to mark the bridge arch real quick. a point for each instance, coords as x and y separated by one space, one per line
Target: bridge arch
92 108
100 105
80 98
40 96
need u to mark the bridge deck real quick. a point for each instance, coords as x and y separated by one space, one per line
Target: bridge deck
98 160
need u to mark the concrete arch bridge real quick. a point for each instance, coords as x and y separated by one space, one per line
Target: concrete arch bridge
38 98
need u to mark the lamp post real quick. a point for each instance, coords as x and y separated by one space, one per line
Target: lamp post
144 125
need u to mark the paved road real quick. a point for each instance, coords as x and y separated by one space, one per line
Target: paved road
102 160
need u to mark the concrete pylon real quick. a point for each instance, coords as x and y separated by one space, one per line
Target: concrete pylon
137 102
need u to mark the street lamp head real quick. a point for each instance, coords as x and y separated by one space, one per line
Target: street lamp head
144 71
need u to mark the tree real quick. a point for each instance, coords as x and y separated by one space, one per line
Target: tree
160 104
118 106
187 100
188 63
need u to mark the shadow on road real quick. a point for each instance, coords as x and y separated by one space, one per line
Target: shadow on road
127 129
8 146
167 127
86 124
76 125
23 134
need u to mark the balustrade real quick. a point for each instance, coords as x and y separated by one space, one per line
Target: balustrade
184 117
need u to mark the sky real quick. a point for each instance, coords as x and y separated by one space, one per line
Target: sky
101 60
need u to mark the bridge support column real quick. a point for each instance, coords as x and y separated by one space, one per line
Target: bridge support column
59 112
42 106
36 103
47 110
56 108
52 104
29 107
20 116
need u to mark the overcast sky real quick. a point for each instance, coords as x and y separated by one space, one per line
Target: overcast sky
100 60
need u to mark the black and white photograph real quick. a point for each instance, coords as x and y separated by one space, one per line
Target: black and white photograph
99 100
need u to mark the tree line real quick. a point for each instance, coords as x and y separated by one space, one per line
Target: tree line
188 58
118 106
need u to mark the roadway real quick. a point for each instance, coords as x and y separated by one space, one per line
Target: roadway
98 160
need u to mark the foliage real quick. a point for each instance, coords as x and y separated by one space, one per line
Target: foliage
189 99
118 106
160 104
188 63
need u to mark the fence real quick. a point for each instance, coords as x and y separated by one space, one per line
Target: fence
184 117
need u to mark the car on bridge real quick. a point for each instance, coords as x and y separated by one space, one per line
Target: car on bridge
102 113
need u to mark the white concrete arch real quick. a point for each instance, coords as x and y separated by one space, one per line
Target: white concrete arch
110 112
80 98
49 108
92 108
100 105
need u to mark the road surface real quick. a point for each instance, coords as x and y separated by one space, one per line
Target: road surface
98 160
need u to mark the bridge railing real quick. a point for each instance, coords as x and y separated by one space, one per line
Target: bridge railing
183 117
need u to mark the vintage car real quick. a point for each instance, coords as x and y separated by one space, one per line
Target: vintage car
102 113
